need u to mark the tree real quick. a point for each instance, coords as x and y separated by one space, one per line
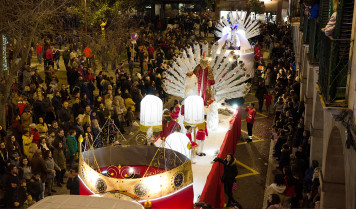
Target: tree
24 22
119 22
256 6
203 5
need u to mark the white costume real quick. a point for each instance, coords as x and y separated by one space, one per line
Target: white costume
191 85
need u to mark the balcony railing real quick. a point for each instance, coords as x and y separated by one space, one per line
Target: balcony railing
331 53
333 67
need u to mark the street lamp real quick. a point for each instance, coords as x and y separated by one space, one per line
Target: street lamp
102 25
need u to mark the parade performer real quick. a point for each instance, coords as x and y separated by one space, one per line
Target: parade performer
205 76
169 126
250 119
191 85
202 132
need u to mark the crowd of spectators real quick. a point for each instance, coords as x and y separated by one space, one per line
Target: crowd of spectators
45 118
296 184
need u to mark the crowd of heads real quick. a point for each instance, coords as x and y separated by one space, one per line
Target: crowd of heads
297 184
45 117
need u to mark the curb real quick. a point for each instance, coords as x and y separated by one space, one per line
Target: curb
269 180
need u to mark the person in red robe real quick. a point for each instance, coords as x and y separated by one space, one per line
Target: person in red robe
173 113
205 77
250 119
201 133
169 126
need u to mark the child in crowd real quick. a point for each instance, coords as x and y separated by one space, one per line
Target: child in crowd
29 201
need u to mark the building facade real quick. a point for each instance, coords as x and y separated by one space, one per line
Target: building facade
327 67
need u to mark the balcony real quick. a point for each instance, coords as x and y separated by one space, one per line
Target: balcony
333 68
330 53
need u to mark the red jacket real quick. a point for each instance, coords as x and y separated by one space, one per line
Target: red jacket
151 50
36 136
39 49
251 114
202 132
268 98
49 54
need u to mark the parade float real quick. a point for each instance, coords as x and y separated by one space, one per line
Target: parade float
234 32
156 177
215 73
162 176
213 76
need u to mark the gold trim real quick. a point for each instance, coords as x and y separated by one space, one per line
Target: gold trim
157 185
154 128
192 124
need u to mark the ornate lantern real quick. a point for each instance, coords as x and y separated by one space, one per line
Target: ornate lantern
151 114
193 110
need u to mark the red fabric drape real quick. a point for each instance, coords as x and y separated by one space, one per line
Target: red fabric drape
213 192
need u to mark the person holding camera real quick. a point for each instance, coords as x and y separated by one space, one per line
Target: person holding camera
228 178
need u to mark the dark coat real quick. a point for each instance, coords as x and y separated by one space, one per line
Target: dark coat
35 188
64 115
230 171
73 185
38 165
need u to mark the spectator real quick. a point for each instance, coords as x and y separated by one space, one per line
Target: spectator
52 167
274 202
60 160
39 167
72 147
230 173
73 182
35 187
278 187
25 171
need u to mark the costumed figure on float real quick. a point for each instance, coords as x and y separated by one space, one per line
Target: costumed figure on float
234 32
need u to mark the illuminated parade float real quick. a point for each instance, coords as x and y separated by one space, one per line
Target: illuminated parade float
203 77
233 32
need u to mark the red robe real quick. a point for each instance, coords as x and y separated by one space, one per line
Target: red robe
205 80
202 132
168 128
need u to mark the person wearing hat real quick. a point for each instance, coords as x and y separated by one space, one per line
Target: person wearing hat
205 77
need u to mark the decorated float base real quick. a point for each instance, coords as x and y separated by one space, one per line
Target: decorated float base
125 172
202 164
142 173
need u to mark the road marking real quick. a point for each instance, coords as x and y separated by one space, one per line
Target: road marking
253 172
253 141
255 118
266 116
